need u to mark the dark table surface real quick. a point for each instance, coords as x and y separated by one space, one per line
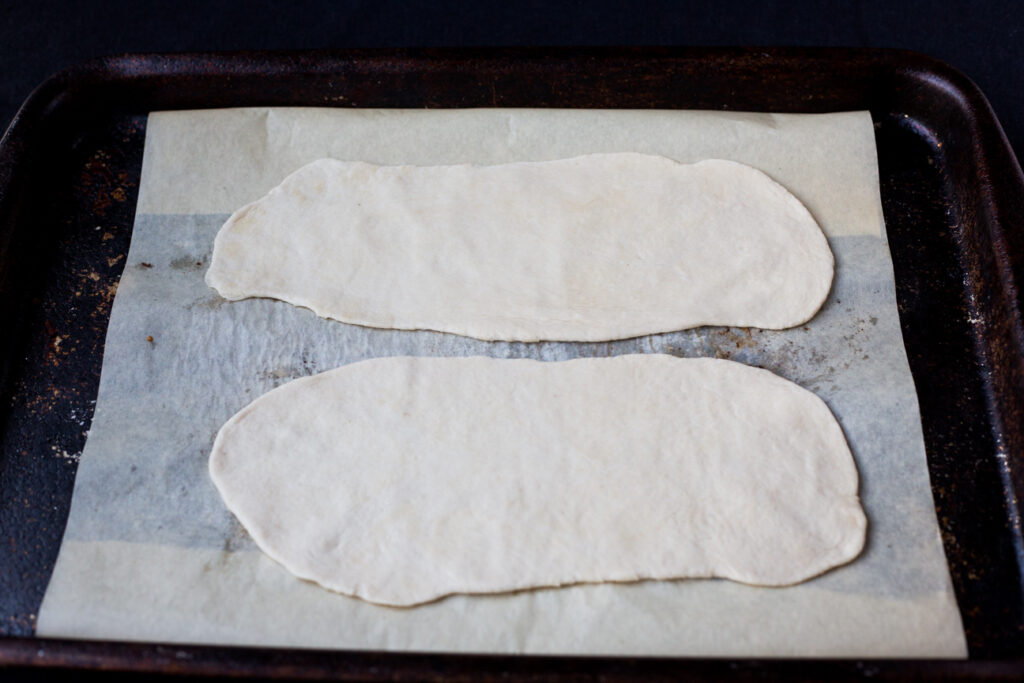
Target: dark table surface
984 39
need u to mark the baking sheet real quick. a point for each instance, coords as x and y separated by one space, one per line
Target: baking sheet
150 552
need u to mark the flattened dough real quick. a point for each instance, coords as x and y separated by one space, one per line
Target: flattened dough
401 480
598 247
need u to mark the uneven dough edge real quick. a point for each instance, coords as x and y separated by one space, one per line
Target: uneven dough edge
483 323
842 553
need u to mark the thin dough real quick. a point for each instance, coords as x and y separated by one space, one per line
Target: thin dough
401 480
598 247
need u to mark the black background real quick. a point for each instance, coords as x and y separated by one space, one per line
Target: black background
983 39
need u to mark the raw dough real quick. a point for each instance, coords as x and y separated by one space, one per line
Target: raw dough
401 480
598 247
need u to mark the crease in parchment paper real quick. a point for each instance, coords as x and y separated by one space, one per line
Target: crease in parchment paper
151 553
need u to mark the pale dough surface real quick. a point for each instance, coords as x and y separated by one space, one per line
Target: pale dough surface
401 480
596 247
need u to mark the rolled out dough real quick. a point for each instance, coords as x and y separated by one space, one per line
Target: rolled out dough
400 480
597 247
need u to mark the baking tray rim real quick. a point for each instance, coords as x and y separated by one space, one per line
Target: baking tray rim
51 96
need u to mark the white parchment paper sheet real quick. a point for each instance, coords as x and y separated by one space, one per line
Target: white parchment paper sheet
150 552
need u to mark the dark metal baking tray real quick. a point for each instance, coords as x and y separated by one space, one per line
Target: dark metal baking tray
953 196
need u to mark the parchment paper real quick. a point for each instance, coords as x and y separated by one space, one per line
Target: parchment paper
150 552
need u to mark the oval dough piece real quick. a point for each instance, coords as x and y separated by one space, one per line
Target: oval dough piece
598 247
401 480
